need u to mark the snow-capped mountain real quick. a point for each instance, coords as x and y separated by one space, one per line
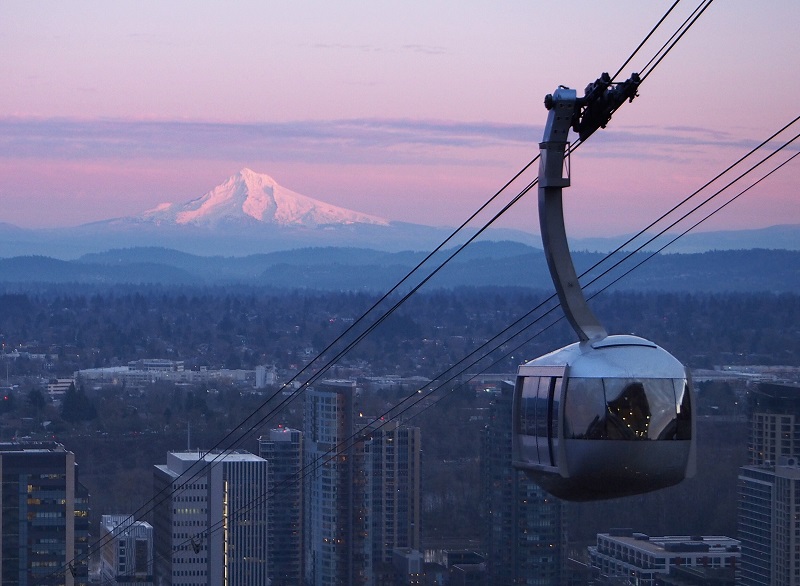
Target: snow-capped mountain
249 197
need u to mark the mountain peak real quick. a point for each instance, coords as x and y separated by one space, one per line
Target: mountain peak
250 197
250 175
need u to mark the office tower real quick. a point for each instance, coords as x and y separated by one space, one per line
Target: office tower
769 523
774 423
336 523
38 516
362 489
283 449
524 527
392 457
210 520
769 489
127 551
80 565
625 557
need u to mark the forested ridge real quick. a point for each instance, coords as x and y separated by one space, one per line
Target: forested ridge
219 327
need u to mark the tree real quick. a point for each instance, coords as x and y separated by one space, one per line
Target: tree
36 400
7 402
77 406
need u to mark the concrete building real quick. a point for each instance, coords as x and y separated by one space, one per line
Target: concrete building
211 519
266 376
58 387
283 449
622 556
409 566
127 551
524 530
38 515
769 489
140 374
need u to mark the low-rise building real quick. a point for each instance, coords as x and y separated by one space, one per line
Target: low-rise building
127 555
623 554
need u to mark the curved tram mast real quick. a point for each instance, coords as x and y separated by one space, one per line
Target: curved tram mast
584 115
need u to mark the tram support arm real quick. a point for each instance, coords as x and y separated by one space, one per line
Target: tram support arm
552 179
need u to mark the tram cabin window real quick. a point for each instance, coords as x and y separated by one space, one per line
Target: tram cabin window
538 418
627 409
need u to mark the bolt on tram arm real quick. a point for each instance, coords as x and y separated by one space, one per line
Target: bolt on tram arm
583 115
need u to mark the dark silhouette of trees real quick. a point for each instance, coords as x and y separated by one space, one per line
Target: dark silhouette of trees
76 406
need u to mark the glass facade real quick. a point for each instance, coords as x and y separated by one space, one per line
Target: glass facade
525 528
283 449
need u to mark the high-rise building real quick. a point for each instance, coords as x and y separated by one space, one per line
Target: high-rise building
524 530
336 523
283 449
127 551
769 489
774 423
362 490
210 519
39 515
392 459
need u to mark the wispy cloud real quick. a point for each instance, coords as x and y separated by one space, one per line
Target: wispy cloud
399 141
367 48
335 140
425 49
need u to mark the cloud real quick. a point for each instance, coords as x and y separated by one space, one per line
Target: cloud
426 49
350 141
354 140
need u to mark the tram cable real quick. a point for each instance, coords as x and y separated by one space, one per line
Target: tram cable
218 451
387 417
202 464
414 270
673 40
616 280
142 510
647 38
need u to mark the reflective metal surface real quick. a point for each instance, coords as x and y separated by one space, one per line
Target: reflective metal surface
604 420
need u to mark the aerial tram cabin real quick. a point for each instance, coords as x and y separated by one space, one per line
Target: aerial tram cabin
608 416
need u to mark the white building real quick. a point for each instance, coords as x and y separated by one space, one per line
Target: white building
211 519
623 554
127 555
266 376
139 375
58 387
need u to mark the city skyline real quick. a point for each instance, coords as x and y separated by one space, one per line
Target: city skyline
412 112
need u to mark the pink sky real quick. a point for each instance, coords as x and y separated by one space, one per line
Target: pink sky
415 111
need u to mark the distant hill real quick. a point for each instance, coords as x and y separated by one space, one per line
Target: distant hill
785 237
480 264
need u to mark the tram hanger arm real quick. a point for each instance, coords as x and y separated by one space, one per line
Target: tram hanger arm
583 115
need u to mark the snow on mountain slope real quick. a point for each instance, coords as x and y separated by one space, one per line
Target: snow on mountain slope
247 197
